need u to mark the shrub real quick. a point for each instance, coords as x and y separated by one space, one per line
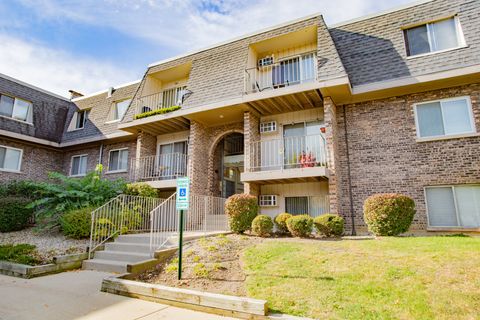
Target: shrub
20 253
157 111
14 213
300 226
262 225
241 209
140 189
281 222
76 223
388 214
329 224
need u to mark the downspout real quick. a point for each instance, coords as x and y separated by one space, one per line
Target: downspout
354 232
100 154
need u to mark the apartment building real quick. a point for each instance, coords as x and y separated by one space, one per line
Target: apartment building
308 117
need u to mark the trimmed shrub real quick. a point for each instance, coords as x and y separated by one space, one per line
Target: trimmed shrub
241 209
14 213
300 226
281 222
388 214
140 189
262 225
20 253
329 224
157 111
76 223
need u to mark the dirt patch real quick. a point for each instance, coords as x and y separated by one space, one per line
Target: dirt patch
209 264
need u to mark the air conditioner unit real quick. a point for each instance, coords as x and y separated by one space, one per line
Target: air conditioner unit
266 127
265 61
268 200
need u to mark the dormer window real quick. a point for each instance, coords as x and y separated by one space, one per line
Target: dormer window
434 36
119 109
15 108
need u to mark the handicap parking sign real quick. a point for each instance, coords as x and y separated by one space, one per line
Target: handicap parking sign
183 190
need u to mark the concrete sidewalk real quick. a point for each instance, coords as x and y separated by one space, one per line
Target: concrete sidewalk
76 295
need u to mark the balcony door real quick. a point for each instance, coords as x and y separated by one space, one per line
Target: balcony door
172 160
302 144
294 70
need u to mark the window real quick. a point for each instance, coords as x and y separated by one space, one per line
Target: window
79 165
120 109
270 126
118 160
435 36
15 108
453 206
79 120
172 159
296 205
268 200
444 117
10 159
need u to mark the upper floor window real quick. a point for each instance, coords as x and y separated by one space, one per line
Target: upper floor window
79 120
120 108
118 160
435 36
444 118
16 108
10 159
79 165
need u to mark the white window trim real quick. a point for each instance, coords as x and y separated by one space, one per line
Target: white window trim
446 136
71 166
455 203
461 43
20 162
108 164
73 122
113 110
29 113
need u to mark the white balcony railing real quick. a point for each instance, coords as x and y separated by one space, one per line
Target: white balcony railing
162 167
289 71
288 153
160 100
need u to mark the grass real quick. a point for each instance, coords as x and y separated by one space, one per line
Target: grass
388 278
21 253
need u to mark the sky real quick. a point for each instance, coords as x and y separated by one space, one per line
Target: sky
90 45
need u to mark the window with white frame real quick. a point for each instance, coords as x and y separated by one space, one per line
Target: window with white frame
120 108
118 160
16 108
79 120
79 165
268 200
10 159
444 117
453 206
269 126
435 36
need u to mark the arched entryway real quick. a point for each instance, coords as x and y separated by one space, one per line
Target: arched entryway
227 161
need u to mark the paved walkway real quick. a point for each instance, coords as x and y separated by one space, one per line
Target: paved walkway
76 295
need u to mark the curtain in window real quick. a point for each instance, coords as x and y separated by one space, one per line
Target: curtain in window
79 165
430 121
294 143
114 157
123 160
468 205
418 40
444 34
308 67
20 109
456 116
296 205
6 106
441 207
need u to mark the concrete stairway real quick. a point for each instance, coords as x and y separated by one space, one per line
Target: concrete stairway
125 250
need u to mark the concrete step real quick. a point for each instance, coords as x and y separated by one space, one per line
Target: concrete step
122 256
105 265
134 238
127 247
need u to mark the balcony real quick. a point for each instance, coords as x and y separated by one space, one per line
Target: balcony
160 171
161 100
297 158
289 71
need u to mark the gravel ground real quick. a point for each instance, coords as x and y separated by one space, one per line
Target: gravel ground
48 244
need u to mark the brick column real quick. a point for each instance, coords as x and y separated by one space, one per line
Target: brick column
198 158
146 146
330 116
251 133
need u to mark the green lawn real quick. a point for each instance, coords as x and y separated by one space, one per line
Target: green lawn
388 278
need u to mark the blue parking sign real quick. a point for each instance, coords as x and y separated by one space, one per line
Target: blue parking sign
183 191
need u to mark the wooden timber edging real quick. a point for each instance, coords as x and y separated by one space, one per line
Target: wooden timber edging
60 263
241 307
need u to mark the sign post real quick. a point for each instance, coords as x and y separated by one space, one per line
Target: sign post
182 202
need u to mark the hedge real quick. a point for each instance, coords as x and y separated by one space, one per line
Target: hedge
241 209
14 214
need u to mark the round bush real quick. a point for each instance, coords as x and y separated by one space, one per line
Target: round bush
140 189
329 224
388 214
76 223
281 222
262 225
300 226
241 209
14 214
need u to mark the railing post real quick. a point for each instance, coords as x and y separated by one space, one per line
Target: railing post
91 234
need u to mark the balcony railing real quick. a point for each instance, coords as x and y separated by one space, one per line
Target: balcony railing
287 72
161 100
288 153
162 167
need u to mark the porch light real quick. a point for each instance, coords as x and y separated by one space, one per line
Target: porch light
185 94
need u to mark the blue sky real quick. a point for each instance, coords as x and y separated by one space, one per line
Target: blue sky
89 45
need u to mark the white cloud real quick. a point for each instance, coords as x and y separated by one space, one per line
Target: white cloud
56 71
